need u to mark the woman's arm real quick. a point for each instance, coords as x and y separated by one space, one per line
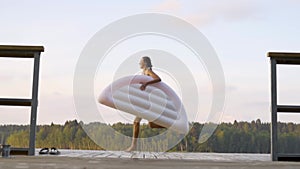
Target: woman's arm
155 77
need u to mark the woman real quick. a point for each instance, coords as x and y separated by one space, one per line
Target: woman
146 66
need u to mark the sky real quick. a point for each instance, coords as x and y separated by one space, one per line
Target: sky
241 32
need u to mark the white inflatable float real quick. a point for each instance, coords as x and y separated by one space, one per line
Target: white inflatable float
158 103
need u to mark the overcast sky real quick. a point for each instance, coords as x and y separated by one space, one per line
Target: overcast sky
241 32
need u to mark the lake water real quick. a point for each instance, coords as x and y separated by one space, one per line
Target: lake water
224 157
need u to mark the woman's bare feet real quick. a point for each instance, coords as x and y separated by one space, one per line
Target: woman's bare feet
131 148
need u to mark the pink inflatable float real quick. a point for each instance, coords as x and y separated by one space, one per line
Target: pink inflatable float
158 103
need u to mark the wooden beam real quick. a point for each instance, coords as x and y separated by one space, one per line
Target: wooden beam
33 118
288 109
288 157
13 54
285 58
15 102
18 151
20 51
21 48
283 55
274 137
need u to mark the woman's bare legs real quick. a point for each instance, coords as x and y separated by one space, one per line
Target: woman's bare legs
135 135
154 125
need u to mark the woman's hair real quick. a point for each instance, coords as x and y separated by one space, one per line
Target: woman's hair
147 61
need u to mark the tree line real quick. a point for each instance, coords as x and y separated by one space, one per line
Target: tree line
237 137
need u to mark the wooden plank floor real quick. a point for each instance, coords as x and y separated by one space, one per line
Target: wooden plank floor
172 156
64 162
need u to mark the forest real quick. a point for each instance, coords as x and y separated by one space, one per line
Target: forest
237 137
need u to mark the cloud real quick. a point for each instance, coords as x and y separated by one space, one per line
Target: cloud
203 13
168 5
221 10
231 88
293 2
5 78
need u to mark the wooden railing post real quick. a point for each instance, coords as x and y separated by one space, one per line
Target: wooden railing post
25 52
288 59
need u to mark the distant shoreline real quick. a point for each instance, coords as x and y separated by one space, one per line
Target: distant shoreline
237 137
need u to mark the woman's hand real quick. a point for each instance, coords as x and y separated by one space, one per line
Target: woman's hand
143 86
